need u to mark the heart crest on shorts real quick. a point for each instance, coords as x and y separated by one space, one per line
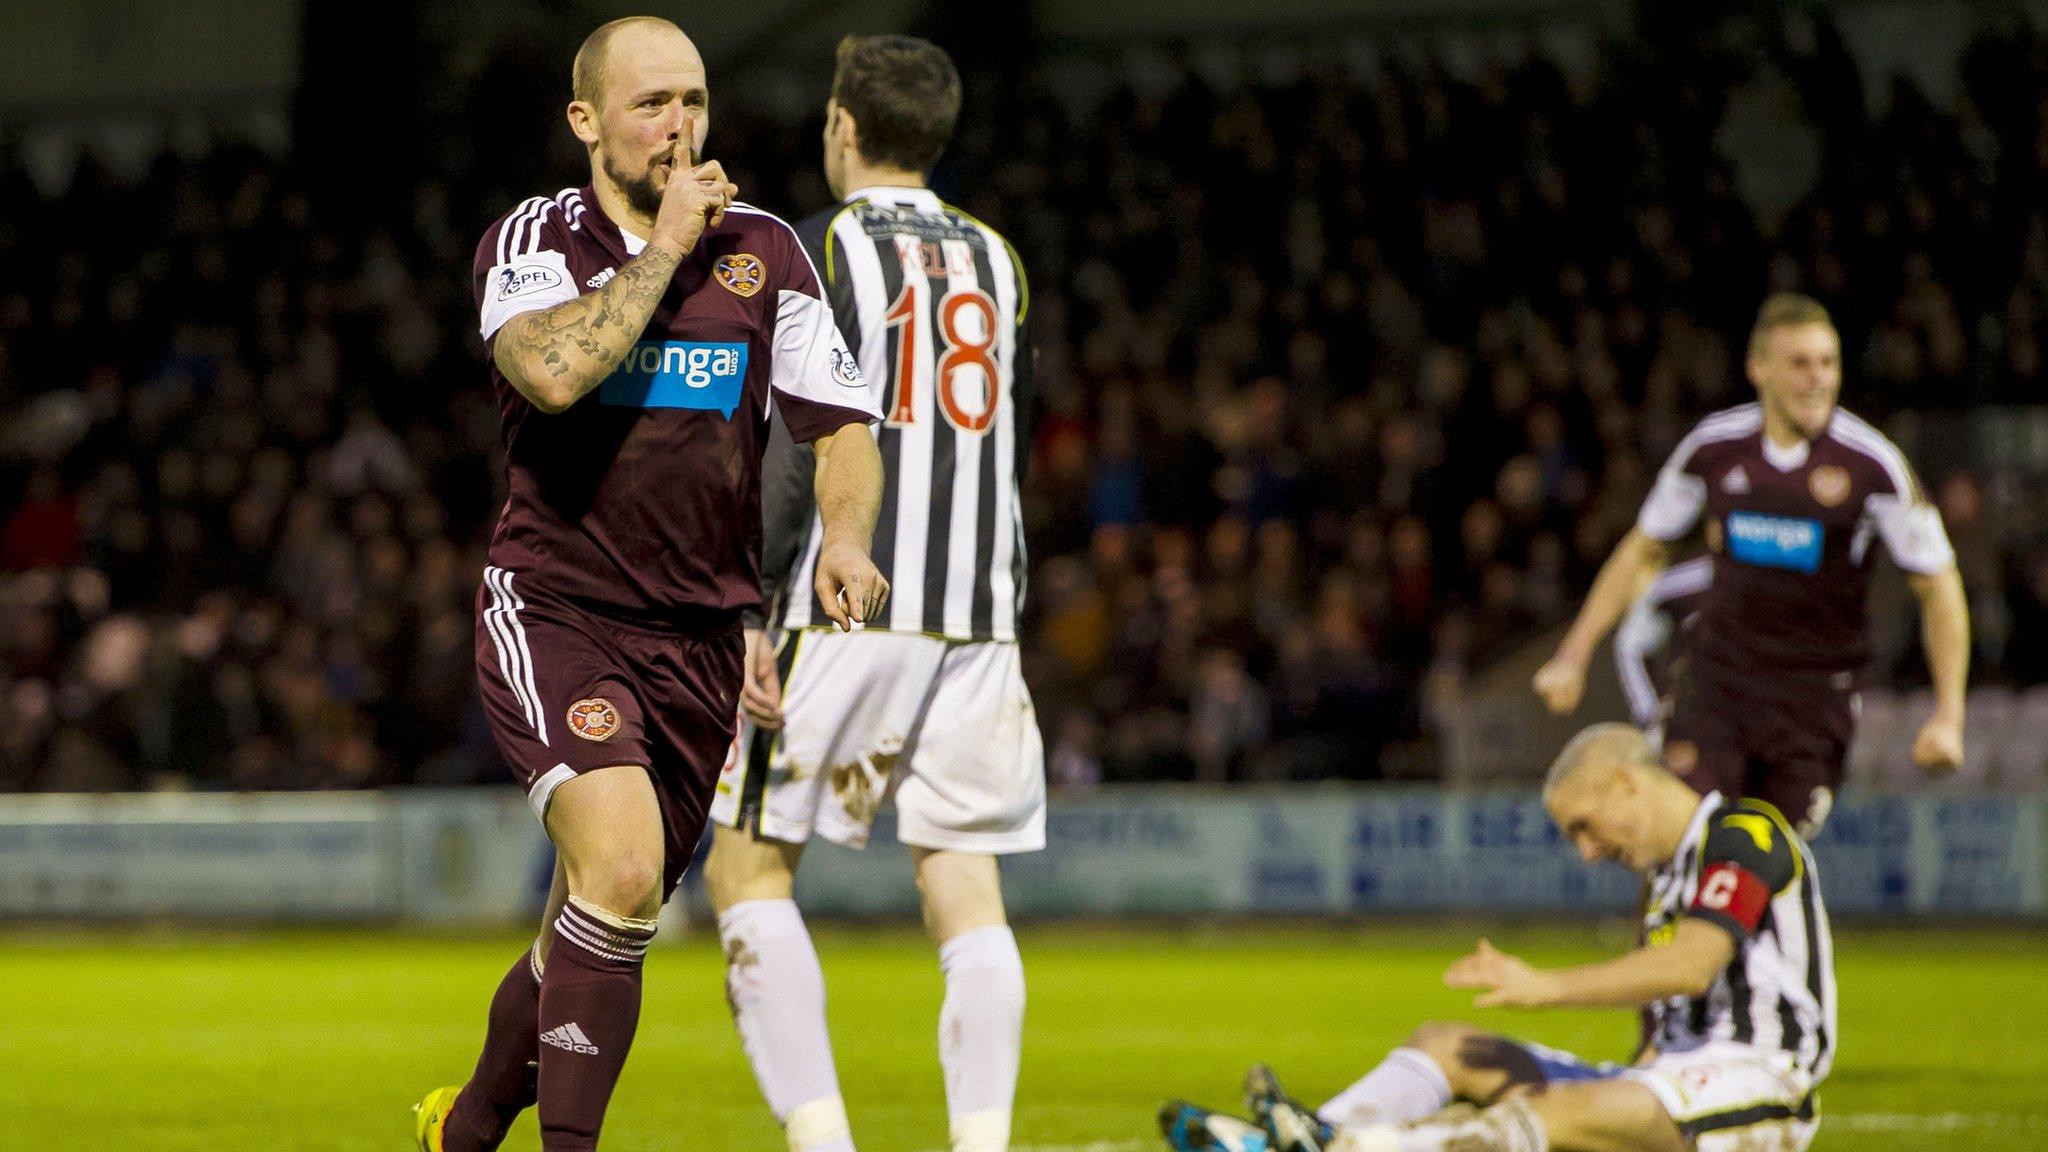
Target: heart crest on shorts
593 718
741 273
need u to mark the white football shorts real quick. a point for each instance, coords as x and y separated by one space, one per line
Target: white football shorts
1725 1096
943 729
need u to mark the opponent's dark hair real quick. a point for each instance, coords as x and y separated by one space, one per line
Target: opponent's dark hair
904 96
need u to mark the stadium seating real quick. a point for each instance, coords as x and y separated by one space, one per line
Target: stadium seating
1879 729
2023 756
2005 738
1298 471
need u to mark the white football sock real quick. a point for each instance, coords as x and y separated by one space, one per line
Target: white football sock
1406 1086
981 1035
777 992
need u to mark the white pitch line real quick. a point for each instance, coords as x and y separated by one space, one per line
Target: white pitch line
1926 1121
1853 1121
1092 1146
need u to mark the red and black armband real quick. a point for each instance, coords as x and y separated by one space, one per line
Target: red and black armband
1749 857
1733 897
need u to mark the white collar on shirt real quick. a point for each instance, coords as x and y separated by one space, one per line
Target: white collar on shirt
896 195
1786 459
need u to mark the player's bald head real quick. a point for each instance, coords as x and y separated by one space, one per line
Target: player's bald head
1594 756
592 70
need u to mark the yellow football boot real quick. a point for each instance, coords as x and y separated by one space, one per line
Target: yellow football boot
431 1115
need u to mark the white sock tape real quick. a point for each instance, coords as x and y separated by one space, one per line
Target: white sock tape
986 1131
817 1123
613 919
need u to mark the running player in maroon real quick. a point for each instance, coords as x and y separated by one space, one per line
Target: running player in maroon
642 329
1794 491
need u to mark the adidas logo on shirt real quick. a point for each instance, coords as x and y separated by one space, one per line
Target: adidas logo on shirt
569 1038
602 278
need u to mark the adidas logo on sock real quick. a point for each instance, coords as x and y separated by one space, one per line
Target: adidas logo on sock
569 1038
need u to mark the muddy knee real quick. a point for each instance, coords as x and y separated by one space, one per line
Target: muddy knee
1480 1066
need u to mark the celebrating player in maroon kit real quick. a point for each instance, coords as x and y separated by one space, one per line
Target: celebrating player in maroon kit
641 330
1794 491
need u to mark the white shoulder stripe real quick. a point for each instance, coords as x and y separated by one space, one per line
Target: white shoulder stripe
1732 424
1852 430
750 210
1741 416
1729 424
533 228
571 200
506 226
509 234
517 228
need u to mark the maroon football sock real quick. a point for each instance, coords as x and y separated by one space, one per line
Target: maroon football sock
503 1084
589 1006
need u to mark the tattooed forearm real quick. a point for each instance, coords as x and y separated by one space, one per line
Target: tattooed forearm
557 355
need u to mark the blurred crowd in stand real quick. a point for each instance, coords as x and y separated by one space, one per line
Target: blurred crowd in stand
1350 376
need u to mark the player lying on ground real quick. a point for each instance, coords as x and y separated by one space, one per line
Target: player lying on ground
1737 976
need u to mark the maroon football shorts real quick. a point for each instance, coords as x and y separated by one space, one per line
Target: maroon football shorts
1780 737
568 692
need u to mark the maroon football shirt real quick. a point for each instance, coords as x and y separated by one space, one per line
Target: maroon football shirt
643 498
1791 533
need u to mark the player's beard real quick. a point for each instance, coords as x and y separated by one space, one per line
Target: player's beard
641 192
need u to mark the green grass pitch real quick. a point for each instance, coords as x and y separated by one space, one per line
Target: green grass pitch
320 1040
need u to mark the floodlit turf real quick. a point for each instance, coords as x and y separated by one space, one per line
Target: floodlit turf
321 1040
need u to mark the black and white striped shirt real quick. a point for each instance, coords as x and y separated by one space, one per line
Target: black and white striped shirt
1744 868
933 303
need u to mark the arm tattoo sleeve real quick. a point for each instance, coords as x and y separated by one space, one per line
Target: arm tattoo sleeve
578 342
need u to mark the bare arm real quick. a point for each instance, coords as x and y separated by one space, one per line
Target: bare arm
849 489
1685 965
1635 561
555 356
849 484
1945 634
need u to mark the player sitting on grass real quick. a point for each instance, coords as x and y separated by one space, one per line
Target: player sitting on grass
1737 975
